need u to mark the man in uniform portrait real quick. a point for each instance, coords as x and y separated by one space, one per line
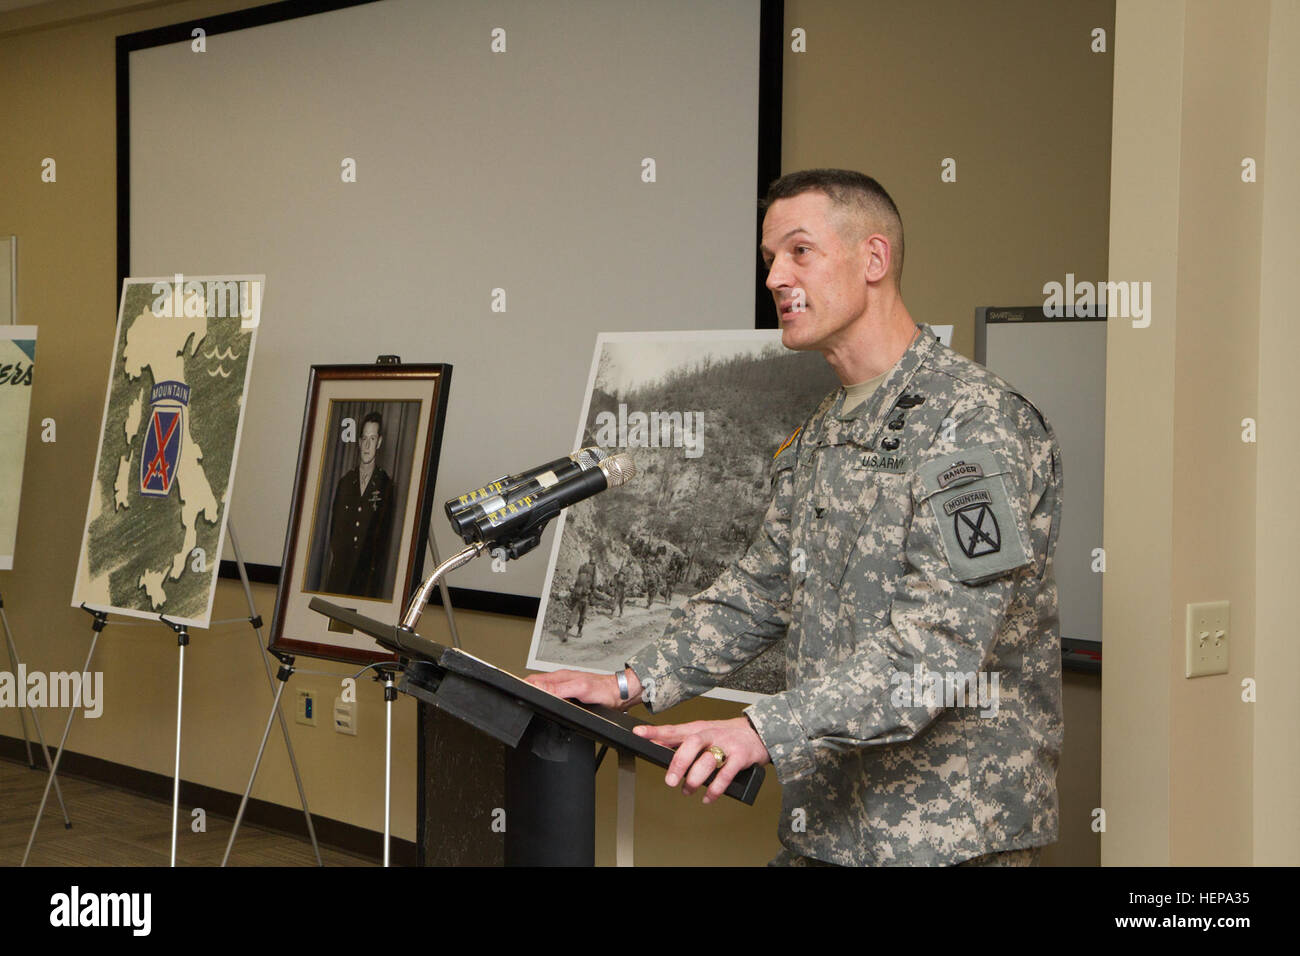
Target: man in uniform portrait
361 520
906 560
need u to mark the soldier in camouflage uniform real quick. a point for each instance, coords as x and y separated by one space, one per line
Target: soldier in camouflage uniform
910 535
651 575
620 591
580 597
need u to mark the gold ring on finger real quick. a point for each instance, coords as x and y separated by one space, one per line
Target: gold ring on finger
719 755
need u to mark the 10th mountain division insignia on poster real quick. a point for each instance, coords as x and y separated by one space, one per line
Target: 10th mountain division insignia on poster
167 447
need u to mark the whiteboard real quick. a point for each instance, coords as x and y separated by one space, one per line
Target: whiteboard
1059 364
521 171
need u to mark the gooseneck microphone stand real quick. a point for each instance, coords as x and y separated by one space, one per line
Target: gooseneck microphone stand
421 597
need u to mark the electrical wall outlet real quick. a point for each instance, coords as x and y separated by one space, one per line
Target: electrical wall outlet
1207 639
345 716
305 712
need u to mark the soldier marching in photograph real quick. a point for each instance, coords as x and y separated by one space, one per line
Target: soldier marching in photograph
618 588
580 596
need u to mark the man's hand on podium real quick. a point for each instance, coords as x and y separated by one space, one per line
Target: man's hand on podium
589 688
739 742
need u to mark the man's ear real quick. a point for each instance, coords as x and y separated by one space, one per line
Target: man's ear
878 256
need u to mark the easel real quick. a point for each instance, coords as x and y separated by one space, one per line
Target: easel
11 648
384 672
99 622
14 662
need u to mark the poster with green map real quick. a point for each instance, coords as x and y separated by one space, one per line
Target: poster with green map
165 467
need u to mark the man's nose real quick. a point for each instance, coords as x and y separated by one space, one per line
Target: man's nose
778 276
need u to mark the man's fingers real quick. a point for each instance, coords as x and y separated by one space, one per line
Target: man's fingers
550 684
576 684
670 735
694 763
722 781
546 680
700 771
686 753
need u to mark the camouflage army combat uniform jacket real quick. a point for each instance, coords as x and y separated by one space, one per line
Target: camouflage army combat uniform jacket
906 557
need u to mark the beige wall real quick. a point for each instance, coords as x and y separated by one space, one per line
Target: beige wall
1010 91
1138 522
1014 95
1191 773
1276 769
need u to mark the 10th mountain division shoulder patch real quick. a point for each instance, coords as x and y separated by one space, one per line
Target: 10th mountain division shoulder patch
968 496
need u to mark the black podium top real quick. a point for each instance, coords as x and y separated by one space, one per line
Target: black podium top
502 705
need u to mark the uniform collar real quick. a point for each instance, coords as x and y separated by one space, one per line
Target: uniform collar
865 422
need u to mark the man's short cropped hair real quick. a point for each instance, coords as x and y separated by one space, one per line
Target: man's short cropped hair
861 204
375 417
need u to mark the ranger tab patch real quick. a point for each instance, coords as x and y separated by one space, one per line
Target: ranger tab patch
960 473
977 521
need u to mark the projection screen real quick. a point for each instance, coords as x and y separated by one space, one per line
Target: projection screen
488 184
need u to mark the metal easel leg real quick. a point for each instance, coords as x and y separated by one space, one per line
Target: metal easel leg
256 620
182 641
100 620
286 671
626 809
13 667
36 722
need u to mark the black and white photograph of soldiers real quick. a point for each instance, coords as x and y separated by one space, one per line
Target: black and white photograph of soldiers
701 414
361 498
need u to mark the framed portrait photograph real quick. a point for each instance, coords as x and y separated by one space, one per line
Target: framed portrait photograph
363 493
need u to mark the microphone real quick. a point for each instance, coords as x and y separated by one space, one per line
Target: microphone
464 510
517 525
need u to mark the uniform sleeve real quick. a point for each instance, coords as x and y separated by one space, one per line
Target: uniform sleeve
967 550
732 621
335 519
378 571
